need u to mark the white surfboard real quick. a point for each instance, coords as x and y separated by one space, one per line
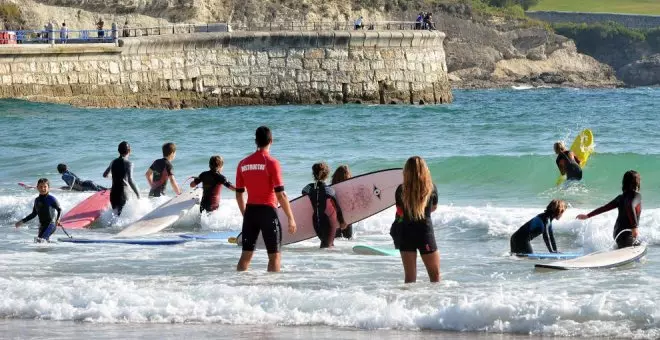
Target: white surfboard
163 216
598 260
359 197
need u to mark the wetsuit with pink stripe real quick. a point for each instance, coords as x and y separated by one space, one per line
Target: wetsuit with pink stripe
630 207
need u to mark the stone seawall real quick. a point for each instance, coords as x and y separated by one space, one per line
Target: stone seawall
238 68
627 20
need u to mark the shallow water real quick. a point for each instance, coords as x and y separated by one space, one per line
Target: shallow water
490 154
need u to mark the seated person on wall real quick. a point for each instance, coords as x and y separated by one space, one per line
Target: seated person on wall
359 24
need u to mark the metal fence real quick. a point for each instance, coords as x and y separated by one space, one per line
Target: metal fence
60 36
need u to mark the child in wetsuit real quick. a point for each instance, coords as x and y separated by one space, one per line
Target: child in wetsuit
161 171
540 224
121 170
44 207
212 182
327 215
341 174
74 182
629 204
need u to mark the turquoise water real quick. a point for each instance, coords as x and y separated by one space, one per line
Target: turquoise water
491 157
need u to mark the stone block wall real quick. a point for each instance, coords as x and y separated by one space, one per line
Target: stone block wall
238 68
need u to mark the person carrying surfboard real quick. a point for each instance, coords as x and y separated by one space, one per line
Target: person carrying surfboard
341 174
567 162
212 182
412 231
260 174
161 171
74 182
44 206
121 170
629 204
541 224
327 216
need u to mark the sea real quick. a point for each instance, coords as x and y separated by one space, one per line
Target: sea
490 153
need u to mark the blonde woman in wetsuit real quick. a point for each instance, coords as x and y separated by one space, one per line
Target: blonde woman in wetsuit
412 231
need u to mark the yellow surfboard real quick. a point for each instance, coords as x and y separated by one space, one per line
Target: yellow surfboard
582 147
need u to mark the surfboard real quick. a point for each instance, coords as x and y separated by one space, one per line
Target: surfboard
598 260
87 211
163 216
215 236
359 197
582 147
550 256
364 249
144 242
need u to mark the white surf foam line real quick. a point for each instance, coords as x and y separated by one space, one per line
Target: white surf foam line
161 300
133 211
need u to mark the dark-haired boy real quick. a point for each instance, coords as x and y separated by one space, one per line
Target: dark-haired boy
260 174
161 170
44 205
121 170
212 182
74 182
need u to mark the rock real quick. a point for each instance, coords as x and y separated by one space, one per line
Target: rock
643 72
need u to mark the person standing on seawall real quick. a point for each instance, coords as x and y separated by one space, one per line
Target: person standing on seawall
567 162
341 174
629 204
121 170
415 200
260 174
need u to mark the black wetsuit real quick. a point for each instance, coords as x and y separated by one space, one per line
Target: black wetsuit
410 235
540 224
573 170
319 194
75 183
44 207
162 170
345 233
122 176
630 207
212 182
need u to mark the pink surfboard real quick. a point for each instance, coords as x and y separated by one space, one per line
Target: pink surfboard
87 211
359 197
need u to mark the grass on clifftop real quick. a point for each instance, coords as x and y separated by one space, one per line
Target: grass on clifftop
648 7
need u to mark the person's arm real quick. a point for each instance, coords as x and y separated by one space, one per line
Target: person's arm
607 207
32 215
149 175
175 185
549 238
195 182
434 198
633 210
229 186
284 203
129 174
56 206
575 157
240 189
561 166
107 171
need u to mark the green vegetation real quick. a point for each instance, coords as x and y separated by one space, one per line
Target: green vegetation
10 15
649 7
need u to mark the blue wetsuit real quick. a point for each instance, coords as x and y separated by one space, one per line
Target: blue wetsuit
541 224
45 207
75 183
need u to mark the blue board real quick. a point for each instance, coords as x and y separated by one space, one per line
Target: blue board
550 256
363 249
144 242
216 236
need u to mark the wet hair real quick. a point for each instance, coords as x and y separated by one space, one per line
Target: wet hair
263 136
320 171
43 181
61 168
559 147
215 162
124 148
555 208
341 174
168 149
631 181
417 187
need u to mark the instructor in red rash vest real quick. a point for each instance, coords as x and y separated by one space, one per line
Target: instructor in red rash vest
260 174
